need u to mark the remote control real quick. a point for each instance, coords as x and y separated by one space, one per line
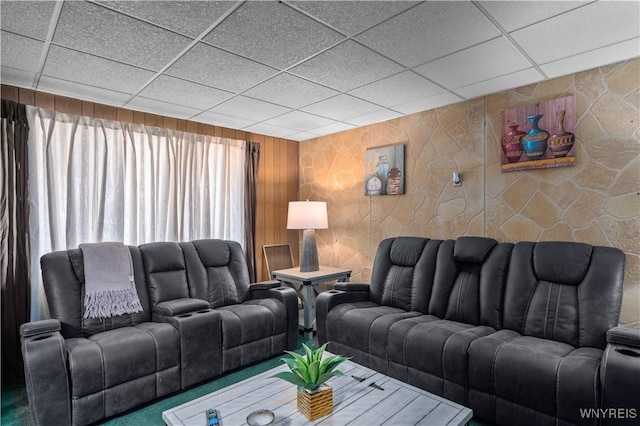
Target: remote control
213 418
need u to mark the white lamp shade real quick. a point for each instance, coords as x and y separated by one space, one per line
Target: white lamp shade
307 215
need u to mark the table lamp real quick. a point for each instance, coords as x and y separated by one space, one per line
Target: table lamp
308 215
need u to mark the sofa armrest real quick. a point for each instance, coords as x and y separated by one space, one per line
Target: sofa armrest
620 376
289 298
265 285
624 336
349 286
45 371
179 306
34 328
328 299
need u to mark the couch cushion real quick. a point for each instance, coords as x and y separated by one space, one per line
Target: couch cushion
563 291
432 354
533 373
63 279
166 273
117 356
364 326
217 271
403 272
469 281
252 320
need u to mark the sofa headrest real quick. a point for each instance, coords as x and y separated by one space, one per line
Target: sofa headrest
406 251
473 249
213 253
162 257
561 262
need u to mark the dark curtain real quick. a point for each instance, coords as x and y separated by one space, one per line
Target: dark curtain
252 161
14 233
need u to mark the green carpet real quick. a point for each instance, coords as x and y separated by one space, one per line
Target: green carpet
15 410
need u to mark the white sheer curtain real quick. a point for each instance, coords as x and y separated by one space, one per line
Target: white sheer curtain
95 180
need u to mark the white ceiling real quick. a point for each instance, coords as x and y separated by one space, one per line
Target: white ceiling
302 69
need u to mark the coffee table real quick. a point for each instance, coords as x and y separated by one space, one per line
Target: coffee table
355 402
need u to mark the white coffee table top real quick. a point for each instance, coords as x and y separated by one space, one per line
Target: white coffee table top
354 402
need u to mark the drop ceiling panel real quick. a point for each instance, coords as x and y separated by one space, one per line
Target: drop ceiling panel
216 119
352 17
430 102
272 33
21 52
90 93
341 107
94 71
580 30
190 18
103 32
334 127
374 117
28 18
512 15
301 136
16 77
347 66
398 89
213 67
290 91
269 129
163 108
244 107
299 120
429 31
599 57
478 63
509 81
177 91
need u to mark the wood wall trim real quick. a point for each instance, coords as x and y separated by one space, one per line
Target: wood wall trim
278 180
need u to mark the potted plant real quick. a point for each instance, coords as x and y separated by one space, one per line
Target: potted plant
309 373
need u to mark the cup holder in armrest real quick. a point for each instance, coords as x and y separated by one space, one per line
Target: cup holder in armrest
628 352
334 291
42 337
185 315
204 311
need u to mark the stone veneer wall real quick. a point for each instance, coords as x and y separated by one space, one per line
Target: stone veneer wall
596 202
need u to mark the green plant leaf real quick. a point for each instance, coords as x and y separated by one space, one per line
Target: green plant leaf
290 377
291 363
331 362
303 372
318 353
327 376
309 353
302 360
313 372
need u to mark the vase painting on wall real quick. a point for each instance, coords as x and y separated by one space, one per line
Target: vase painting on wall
539 135
384 170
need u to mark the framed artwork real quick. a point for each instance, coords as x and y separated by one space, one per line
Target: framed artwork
539 135
384 170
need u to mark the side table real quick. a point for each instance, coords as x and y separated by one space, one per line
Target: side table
310 281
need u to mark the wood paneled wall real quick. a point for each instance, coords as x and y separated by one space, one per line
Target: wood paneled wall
278 173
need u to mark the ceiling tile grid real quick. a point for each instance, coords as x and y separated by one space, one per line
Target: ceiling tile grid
302 69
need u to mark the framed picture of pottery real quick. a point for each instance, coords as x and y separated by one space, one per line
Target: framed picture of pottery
539 136
384 170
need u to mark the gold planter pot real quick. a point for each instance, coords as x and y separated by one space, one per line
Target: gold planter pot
316 404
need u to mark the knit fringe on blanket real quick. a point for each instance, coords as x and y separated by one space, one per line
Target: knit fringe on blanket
110 303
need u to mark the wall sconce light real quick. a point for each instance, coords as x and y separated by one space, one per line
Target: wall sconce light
308 215
457 179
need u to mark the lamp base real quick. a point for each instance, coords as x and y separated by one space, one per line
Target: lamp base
309 256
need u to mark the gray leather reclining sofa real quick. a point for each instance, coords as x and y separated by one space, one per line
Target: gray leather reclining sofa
523 334
201 319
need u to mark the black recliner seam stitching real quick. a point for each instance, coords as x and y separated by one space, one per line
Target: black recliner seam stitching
155 343
546 313
555 319
558 387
